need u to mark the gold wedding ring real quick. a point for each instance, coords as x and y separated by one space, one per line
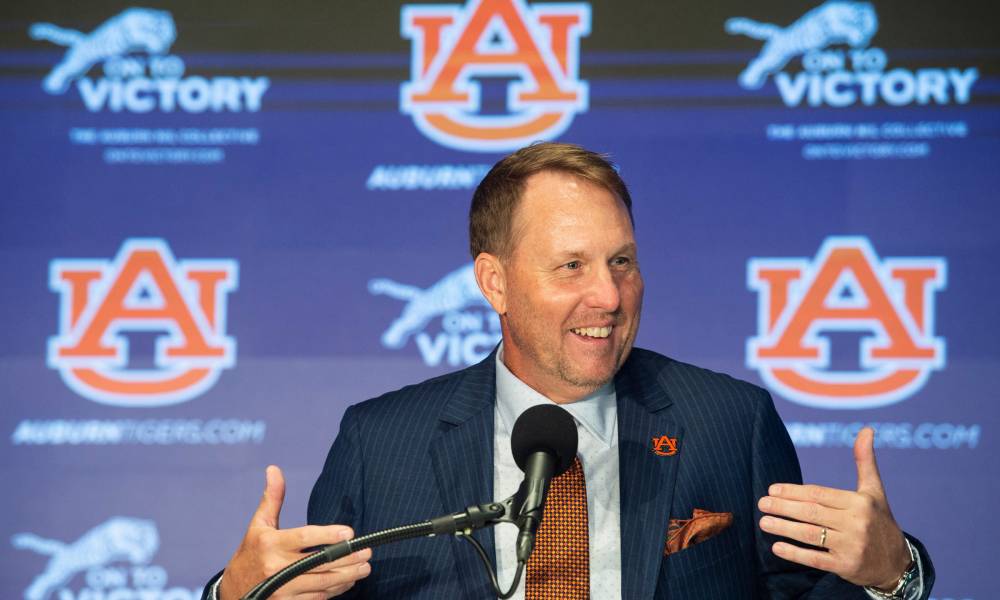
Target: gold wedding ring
822 538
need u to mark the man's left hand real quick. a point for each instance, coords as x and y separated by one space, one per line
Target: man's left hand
863 544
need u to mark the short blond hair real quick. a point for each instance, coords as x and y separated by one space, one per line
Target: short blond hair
495 200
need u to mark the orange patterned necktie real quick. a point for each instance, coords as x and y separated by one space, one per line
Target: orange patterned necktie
559 567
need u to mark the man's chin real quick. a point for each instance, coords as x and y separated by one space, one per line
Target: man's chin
589 380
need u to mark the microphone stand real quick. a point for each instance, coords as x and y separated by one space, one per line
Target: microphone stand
461 524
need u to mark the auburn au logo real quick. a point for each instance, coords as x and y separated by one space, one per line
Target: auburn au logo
846 288
454 46
664 445
144 289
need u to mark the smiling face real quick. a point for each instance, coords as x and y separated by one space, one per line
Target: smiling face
572 290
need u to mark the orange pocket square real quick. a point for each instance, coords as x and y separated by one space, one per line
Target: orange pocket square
703 525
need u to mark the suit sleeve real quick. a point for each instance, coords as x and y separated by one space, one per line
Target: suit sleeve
337 496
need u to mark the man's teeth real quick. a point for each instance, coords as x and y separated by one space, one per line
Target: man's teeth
594 332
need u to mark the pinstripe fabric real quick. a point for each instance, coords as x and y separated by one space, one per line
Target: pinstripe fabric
427 449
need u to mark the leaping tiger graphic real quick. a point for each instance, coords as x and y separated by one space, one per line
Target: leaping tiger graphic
133 30
117 539
455 291
834 22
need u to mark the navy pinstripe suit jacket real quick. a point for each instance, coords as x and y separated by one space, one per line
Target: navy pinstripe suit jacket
427 449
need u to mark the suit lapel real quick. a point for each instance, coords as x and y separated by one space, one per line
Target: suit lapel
646 479
462 459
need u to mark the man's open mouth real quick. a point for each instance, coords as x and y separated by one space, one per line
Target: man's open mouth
594 332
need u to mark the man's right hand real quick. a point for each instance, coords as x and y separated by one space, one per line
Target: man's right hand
265 550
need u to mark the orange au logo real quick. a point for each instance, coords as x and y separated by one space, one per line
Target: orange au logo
144 289
664 446
453 45
846 288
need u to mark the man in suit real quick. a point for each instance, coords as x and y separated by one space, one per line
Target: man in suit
686 479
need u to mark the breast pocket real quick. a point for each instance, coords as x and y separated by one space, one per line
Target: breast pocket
719 551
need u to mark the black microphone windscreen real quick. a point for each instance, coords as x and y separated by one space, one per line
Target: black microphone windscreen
545 427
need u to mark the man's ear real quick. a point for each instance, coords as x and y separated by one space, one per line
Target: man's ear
492 280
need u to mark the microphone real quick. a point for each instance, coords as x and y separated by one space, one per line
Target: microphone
543 442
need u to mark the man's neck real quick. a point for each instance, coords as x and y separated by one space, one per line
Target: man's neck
560 394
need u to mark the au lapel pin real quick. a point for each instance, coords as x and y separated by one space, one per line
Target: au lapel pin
664 446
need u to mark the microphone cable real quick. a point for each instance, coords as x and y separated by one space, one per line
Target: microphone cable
492 572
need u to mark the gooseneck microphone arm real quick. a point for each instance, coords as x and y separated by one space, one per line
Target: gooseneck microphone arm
462 524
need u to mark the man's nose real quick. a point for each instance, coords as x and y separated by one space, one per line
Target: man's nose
603 293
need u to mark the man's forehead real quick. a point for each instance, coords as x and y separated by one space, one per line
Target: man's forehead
561 212
561 191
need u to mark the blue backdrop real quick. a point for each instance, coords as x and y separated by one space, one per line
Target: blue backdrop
221 225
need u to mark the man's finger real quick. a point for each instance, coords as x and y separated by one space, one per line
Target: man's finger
355 558
269 510
826 496
361 556
800 532
869 479
309 536
326 580
816 559
807 512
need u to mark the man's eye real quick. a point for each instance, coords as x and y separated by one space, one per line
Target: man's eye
621 261
572 265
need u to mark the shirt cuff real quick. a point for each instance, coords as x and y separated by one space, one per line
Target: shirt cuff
914 591
213 592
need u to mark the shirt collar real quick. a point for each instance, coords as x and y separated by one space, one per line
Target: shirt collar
597 412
